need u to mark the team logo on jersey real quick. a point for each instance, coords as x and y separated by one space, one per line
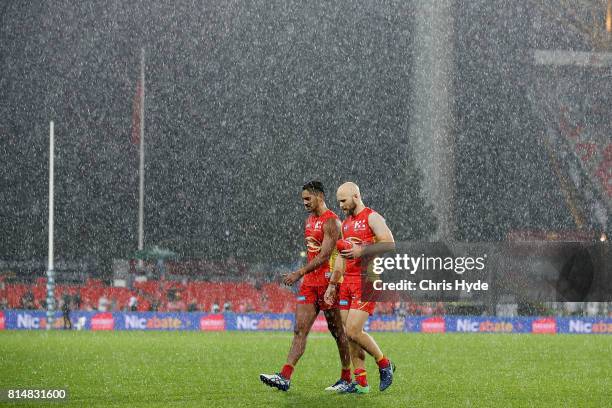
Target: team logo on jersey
315 226
359 225
355 240
312 244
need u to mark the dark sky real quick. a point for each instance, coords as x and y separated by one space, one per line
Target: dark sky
245 102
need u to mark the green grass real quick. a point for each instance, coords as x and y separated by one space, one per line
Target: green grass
193 369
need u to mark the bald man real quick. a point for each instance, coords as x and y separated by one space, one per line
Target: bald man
370 236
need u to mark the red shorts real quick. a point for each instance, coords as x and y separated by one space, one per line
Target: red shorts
350 298
314 295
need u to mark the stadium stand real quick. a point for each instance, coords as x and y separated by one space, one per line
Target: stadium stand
243 297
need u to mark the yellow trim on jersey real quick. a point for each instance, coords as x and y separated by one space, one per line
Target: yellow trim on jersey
332 259
332 262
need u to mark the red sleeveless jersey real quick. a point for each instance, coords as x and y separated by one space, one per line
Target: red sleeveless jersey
357 230
313 233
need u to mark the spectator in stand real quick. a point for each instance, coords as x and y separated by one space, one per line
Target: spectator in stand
413 309
62 298
27 301
154 305
3 303
215 307
103 304
395 308
193 306
133 303
400 309
77 301
227 307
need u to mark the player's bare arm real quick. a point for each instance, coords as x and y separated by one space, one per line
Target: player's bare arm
384 240
331 230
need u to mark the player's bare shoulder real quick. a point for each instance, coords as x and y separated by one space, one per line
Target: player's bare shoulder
332 225
379 227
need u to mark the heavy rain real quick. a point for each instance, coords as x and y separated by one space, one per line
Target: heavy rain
246 101
157 162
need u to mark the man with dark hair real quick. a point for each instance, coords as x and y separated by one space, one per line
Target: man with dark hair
322 230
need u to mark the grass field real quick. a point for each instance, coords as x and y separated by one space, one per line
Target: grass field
193 369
